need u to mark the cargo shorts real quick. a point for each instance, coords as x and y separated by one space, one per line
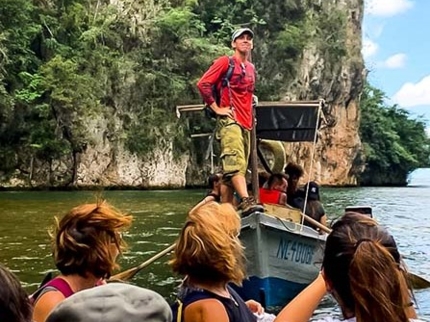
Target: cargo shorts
235 143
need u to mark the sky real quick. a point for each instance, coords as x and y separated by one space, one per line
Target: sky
396 50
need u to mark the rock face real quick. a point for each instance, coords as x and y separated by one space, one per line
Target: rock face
337 158
108 163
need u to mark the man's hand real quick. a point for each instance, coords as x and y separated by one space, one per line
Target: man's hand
223 111
254 100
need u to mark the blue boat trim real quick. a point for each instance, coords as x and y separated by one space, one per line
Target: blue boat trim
272 292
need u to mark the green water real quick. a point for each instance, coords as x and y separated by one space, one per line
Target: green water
159 215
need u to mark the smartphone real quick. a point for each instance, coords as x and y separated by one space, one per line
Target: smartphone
365 210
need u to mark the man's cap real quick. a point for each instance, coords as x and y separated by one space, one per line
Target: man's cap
239 32
314 190
113 302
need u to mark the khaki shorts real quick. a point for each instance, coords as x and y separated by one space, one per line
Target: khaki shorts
235 147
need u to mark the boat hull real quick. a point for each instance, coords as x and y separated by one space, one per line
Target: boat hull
283 257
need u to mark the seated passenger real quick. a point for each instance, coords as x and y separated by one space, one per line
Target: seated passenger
86 244
314 208
214 194
363 271
275 191
14 303
210 255
294 173
114 302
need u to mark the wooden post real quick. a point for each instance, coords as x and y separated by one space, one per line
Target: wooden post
254 158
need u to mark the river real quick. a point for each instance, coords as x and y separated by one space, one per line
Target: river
158 215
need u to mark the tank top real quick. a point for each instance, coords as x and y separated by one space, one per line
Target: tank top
56 284
235 307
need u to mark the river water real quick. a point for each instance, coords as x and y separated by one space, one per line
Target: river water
158 216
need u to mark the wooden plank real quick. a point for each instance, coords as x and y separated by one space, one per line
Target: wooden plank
284 212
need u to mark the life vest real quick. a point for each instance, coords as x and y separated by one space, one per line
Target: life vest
269 196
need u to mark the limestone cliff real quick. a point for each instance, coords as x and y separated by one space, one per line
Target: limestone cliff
130 92
337 159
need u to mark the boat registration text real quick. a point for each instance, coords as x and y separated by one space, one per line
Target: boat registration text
296 251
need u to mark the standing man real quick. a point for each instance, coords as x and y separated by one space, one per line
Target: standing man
234 116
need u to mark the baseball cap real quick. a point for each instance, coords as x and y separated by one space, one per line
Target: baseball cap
114 302
314 190
239 32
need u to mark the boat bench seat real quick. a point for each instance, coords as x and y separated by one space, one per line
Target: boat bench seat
284 212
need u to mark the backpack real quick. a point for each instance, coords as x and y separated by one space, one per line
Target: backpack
216 92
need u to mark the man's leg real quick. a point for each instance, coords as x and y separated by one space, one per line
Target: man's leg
239 185
234 157
227 193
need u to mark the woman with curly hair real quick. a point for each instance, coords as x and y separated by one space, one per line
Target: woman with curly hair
86 243
363 270
210 256
14 303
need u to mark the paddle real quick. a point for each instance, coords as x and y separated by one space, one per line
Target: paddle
128 274
417 282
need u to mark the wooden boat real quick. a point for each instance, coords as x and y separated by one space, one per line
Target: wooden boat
283 256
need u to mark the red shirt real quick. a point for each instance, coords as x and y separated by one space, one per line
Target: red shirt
242 84
269 196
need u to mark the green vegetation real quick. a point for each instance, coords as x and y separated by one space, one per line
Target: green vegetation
394 143
70 67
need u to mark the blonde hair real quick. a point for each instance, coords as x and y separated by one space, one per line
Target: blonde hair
83 238
208 248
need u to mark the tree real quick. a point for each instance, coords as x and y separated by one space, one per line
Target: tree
394 143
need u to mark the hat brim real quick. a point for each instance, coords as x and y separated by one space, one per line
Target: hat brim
249 32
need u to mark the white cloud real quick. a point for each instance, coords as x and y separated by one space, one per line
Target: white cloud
394 62
387 8
414 94
369 48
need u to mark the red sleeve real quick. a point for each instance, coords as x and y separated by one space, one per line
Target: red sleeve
212 76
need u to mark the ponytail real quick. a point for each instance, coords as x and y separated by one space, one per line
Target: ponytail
377 284
363 267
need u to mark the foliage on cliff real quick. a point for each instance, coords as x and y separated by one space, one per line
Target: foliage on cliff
128 63
394 143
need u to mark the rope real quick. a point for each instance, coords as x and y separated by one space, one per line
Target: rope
311 165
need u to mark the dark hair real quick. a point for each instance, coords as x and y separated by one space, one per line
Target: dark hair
213 178
83 239
294 170
262 178
14 302
275 178
363 264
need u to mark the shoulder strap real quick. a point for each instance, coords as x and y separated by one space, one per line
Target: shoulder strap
179 306
226 79
62 286
56 284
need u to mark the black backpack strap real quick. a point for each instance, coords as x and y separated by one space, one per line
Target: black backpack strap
226 79
180 304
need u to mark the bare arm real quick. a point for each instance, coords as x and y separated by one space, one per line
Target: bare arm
201 203
283 199
323 220
301 308
208 310
45 304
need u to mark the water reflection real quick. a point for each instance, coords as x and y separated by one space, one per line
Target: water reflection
159 215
